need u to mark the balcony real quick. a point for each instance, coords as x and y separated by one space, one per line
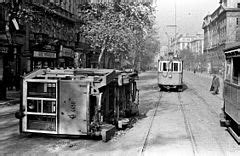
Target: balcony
55 8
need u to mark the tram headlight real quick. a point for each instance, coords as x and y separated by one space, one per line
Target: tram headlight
31 106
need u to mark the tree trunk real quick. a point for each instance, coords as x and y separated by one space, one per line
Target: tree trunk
100 56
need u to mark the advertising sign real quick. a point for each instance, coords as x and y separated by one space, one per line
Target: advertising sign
66 52
44 54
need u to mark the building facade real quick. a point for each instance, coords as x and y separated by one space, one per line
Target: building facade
221 29
123 1
186 41
36 34
196 44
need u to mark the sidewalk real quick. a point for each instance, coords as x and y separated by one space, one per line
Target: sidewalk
207 75
210 76
13 97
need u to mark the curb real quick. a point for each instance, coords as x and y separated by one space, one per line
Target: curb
10 102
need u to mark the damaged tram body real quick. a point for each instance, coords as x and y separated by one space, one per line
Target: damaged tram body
77 101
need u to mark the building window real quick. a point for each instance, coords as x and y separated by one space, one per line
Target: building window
228 70
238 5
237 21
236 70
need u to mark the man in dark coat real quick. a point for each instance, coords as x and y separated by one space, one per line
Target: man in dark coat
215 85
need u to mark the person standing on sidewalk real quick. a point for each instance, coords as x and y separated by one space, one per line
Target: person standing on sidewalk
215 85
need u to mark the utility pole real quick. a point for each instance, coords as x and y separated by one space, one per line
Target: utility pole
175 29
168 45
175 22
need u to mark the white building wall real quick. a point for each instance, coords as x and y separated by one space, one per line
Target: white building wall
230 3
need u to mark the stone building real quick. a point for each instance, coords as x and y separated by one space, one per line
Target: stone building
37 34
182 41
43 32
196 44
221 29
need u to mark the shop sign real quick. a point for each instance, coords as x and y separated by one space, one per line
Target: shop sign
44 54
4 50
66 52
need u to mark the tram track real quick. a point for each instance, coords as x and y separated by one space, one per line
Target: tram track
186 122
194 92
204 86
145 142
188 126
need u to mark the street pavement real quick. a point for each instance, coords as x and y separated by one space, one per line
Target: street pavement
13 97
11 104
163 129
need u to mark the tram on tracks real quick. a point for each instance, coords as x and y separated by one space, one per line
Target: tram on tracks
170 72
75 102
230 116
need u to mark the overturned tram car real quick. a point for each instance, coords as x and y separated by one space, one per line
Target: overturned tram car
170 74
77 101
230 116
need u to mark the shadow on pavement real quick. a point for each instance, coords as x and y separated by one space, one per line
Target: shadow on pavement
184 87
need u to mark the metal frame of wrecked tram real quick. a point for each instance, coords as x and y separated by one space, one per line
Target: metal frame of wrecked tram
77 101
230 116
170 73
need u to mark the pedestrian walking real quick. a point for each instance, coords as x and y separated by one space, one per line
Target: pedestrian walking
215 85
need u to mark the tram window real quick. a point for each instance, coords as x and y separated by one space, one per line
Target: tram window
164 66
175 66
228 69
236 70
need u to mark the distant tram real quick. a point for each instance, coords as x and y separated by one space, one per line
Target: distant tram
230 116
170 73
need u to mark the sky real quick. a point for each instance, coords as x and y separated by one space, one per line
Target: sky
189 16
